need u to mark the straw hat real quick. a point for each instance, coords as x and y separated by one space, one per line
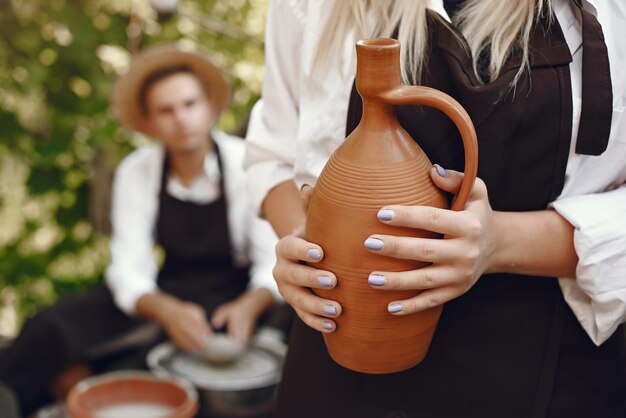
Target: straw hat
125 99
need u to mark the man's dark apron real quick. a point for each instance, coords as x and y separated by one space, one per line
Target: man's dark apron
510 347
198 268
196 239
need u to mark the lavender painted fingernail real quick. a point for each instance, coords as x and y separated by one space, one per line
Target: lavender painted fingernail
385 215
376 279
395 308
314 254
327 325
374 244
441 171
330 310
325 281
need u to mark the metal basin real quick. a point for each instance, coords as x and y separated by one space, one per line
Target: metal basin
243 388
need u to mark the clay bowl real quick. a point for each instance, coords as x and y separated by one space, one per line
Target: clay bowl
134 394
222 349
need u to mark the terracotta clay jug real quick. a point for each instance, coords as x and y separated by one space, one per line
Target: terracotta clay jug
379 164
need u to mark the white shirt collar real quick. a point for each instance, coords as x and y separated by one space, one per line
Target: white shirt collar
203 189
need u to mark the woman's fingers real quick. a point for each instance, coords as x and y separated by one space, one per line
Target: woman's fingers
425 278
447 180
450 181
295 248
306 192
438 220
295 281
425 300
441 221
290 251
428 250
303 275
438 285
318 323
305 300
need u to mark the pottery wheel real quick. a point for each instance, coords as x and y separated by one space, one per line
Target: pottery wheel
255 368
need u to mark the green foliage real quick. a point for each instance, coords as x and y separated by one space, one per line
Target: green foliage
59 142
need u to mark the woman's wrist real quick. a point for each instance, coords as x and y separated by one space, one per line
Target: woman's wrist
537 243
283 209
498 259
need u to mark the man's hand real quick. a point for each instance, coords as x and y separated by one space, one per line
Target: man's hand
187 326
185 322
240 315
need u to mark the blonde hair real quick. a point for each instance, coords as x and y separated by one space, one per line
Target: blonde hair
496 27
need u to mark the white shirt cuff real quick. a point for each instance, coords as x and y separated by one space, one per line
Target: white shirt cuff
598 295
264 281
126 298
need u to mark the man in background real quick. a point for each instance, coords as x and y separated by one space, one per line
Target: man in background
185 193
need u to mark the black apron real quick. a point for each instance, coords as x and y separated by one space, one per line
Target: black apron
196 240
510 347
198 268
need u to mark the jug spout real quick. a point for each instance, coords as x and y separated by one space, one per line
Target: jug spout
378 66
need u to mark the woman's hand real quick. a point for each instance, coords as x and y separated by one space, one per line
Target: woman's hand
457 261
240 315
295 279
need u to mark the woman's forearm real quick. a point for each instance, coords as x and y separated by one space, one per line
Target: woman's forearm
538 243
283 208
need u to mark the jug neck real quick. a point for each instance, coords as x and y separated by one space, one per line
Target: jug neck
377 116
378 67
377 72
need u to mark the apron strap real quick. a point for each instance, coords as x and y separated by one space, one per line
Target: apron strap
597 91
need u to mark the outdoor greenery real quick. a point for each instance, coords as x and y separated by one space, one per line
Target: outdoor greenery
59 142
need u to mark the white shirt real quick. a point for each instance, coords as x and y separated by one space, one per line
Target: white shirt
136 186
298 123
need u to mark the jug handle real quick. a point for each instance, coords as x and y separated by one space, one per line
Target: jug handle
419 95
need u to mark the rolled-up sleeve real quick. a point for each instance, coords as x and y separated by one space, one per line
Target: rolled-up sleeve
273 128
133 269
598 295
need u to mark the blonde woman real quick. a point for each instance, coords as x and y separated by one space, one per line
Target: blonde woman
532 272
